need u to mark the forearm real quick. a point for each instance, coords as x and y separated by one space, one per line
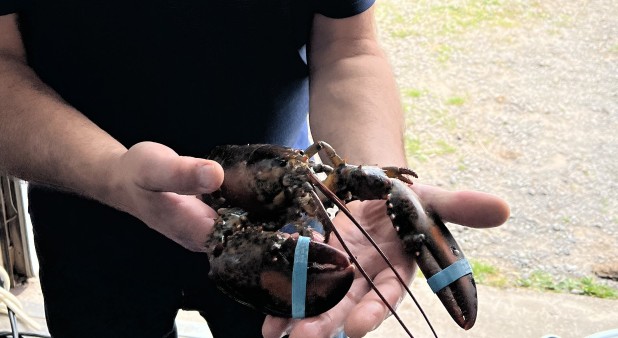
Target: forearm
355 106
45 140
355 102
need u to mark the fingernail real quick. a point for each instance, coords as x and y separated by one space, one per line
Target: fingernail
207 173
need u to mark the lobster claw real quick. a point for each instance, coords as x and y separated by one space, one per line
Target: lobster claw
427 239
259 273
437 252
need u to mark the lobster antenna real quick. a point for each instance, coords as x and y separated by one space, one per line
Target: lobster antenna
347 212
324 215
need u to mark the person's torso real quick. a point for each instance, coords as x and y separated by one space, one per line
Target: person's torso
190 74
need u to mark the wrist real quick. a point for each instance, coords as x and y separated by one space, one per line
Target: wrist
109 184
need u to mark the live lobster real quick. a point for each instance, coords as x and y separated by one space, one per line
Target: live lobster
270 187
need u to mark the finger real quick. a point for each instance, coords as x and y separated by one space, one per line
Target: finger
331 322
361 311
161 169
275 327
371 310
325 325
469 208
184 219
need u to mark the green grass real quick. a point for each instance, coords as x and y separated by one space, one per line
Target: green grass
402 33
444 52
444 147
463 15
487 274
413 147
445 118
425 151
455 101
431 145
461 166
422 145
429 18
586 285
412 93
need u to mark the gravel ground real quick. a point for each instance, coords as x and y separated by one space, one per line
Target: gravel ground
520 99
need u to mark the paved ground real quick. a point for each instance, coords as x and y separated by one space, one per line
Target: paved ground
516 313
504 313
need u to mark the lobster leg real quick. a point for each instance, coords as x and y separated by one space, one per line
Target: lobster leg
427 239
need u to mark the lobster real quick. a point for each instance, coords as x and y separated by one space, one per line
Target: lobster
270 205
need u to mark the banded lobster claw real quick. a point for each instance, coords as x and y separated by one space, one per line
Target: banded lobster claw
266 258
254 261
424 235
437 254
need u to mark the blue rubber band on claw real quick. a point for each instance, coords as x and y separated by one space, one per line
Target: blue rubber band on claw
299 277
450 274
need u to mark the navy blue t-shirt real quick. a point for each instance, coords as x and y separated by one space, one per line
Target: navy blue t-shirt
189 74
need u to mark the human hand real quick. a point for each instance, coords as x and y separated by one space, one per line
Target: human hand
156 185
362 310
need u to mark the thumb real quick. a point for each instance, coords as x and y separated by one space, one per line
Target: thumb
470 208
159 168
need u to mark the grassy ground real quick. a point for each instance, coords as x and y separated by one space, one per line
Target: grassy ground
438 27
517 98
490 275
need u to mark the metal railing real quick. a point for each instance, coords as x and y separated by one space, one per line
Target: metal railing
16 255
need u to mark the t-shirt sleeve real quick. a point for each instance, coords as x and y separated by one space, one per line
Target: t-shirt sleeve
11 6
338 9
